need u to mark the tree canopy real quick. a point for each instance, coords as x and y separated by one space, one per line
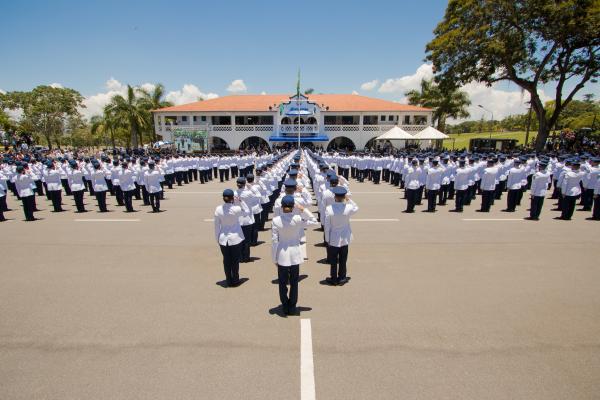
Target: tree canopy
528 42
446 101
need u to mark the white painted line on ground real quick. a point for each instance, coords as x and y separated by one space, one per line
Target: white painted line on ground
194 192
307 368
397 192
374 220
107 220
209 220
493 219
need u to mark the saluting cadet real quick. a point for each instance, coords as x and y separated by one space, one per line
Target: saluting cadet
114 176
461 185
24 186
3 189
338 234
413 180
488 185
287 229
433 183
589 182
254 202
152 179
100 186
76 184
63 169
596 210
571 190
513 183
229 236
243 198
539 187
54 185
127 182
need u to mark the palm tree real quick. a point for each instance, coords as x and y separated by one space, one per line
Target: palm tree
446 102
130 110
106 123
152 101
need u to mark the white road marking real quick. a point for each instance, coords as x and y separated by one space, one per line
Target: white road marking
307 368
194 192
209 220
107 220
374 220
493 219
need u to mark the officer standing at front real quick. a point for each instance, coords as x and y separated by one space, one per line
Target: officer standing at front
287 229
229 236
539 187
338 234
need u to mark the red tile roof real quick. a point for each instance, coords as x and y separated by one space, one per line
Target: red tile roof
261 103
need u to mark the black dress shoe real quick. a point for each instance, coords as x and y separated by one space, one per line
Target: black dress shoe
331 281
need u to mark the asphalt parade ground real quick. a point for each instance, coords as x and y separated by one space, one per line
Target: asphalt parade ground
440 306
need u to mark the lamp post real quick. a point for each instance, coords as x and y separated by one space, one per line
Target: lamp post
485 109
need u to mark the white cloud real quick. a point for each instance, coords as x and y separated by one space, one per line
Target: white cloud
2 91
354 92
407 82
499 98
237 86
56 85
370 85
263 93
95 103
188 94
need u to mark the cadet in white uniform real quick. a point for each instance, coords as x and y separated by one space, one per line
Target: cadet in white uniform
229 236
76 184
571 190
539 187
338 234
152 180
24 185
54 185
433 183
100 186
287 229
488 185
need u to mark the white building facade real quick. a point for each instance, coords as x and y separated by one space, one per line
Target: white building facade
232 122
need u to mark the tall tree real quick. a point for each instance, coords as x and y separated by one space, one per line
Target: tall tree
46 110
446 101
104 124
129 109
528 42
153 100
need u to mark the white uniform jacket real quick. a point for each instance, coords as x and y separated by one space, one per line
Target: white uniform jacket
228 230
286 231
337 223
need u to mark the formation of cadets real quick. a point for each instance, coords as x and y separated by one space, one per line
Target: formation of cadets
29 176
282 186
436 178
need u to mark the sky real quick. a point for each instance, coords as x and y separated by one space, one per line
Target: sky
217 48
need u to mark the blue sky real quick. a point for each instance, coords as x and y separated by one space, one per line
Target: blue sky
339 46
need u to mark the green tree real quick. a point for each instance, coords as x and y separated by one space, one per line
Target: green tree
446 101
46 110
153 100
105 124
129 110
528 42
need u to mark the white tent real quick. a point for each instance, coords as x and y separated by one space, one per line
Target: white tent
396 133
430 133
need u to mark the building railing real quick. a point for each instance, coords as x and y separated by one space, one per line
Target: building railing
291 129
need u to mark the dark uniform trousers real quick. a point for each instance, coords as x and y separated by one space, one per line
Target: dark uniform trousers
119 195
443 194
337 256
460 200
56 197
431 196
451 191
568 206
78 197
145 195
587 199
39 187
511 201
65 185
536 206
101 198
255 226
127 199
231 262
247 229
155 201
28 207
411 199
288 275
596 211
487 197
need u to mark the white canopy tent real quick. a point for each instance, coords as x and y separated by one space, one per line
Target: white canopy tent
396 133
430 133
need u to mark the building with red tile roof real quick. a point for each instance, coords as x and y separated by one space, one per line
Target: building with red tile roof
330 120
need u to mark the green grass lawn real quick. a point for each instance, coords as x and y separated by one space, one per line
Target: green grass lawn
462 139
